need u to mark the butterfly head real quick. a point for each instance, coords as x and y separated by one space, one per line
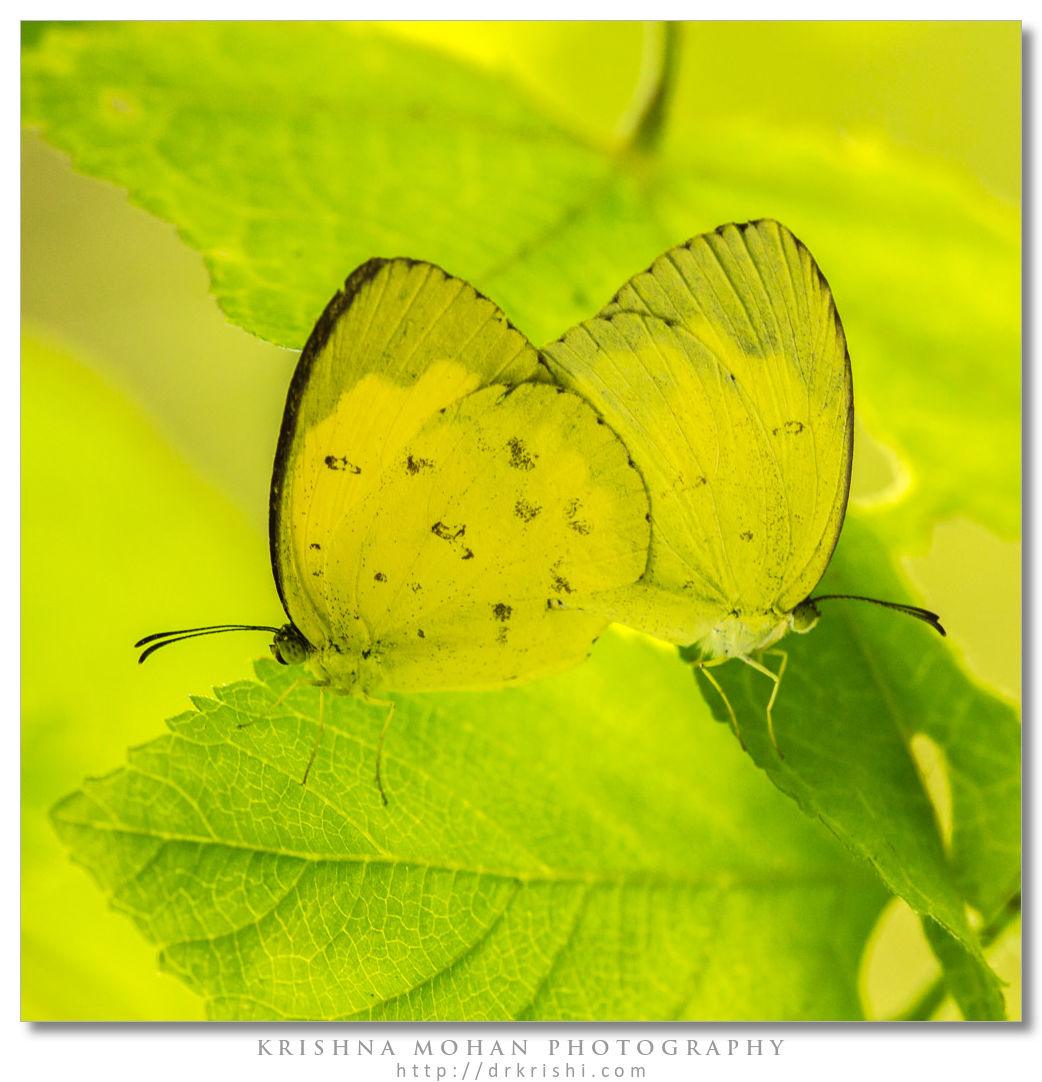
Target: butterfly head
804 617
289 647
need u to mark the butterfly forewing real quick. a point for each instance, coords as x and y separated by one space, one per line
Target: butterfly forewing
398 343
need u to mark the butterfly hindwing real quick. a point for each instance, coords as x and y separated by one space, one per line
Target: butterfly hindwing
724 369
508 504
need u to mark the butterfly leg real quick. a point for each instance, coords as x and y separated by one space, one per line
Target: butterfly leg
380 743
290 687
776 678
321 709
318 735
703 667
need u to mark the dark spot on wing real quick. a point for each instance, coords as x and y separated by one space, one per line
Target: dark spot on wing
793 428
501 612
526 511
380 577
414 465
339 462
415 587
448 533
520 459
571 513
452 534
419 632
315 545
366 653
560 585
746 535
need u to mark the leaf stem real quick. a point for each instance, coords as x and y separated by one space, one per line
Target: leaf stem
641 127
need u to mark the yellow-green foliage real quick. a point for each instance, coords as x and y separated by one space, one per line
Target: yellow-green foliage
591 845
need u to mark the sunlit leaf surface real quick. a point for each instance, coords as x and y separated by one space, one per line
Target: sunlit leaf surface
541 857
285 184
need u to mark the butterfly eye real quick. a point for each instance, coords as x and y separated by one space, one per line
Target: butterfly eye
290 647
804 617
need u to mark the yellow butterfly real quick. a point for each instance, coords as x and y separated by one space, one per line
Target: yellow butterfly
724 368
434 493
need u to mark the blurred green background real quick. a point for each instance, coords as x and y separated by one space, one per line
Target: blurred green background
149 427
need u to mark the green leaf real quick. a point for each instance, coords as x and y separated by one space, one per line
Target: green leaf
856 691
108 511
538 859
391 148
973 986
284 183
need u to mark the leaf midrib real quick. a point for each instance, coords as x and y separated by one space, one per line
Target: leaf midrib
624 877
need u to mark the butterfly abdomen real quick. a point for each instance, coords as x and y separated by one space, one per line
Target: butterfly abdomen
744 634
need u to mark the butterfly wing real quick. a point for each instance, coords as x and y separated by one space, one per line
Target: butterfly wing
724 369
509 502
399 342
423 513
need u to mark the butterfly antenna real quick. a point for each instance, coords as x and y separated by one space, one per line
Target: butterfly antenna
165 638
925 615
